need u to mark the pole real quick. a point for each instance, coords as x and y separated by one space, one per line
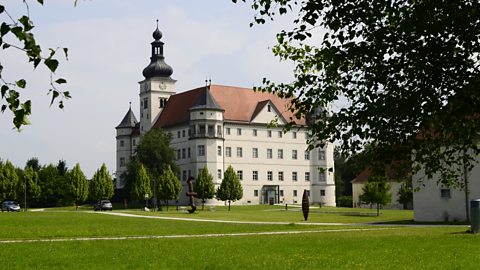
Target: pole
25 195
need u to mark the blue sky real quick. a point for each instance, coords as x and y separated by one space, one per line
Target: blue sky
109 45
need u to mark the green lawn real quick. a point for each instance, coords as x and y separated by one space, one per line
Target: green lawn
293 214
317 247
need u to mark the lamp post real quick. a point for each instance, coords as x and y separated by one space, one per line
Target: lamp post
25 194
146 201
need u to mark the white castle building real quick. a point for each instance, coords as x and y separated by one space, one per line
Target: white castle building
217 126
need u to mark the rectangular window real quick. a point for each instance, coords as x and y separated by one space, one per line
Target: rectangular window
219 130
184 175
321 155
239 152
178 154
219 174
183 133
307 155
255 133
269 175
240 175
321 176
134 142
145 103
294 135
122 143
269 133
295 193
269 153
188 152
255 175
307 176
308 193
280 176
322 192
280 154
255 152
219 150
239 131
280 134
228 151
189 173
445 193
281 192
201 150
294 154
122 162
227 131
255 193
184 153
178 134
294 176
211 130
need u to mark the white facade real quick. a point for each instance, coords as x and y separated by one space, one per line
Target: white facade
433 202
272 166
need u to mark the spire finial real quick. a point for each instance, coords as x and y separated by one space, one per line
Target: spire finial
157 23
157 35
130 103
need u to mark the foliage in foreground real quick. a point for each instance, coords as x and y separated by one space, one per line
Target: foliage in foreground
408 70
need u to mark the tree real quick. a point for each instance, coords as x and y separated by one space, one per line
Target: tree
376 190
101 185
62 167
77 185
230 189
8 181
53 188
407 73
155 153
141 184
405 193
34 164
16 34
28 185
204 186
168 186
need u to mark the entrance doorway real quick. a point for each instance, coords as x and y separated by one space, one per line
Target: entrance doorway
271 194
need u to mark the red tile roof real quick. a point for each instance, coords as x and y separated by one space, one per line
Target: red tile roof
239 105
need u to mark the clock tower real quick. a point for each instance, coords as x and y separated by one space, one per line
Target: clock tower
157 87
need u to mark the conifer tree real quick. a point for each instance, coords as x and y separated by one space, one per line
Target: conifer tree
168 186
204 186
101 185
77 185
230 189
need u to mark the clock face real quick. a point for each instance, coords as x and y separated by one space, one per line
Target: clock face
146 87
162 86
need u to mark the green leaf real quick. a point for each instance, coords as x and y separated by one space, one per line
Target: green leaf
65 50
25 21
40 1
54 96
52 64
21 83
4 29
4 107
60 81
4 90
2 9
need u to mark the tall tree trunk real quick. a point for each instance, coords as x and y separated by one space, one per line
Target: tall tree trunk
378 209
229 205
203 203
167 204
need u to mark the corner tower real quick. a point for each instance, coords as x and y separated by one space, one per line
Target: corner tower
157 87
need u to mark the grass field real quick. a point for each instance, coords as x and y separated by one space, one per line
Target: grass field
176 244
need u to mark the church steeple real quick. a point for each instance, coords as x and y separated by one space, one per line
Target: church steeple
157 66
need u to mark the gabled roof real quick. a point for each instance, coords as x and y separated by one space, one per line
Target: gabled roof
396 171
239 105
261 105
129 120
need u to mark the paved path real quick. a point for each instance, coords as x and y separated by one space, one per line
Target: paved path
107 238
224 221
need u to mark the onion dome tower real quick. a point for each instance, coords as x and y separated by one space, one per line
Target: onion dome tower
157 87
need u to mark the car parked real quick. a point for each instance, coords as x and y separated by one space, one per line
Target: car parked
103 205
10 206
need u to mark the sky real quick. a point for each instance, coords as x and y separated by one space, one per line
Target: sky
109 45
